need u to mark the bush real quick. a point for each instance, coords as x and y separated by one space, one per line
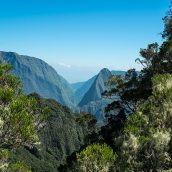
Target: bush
96 157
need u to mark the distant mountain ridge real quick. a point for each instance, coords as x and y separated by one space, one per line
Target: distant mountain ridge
118 72
97 88
77 85
39 77
81 91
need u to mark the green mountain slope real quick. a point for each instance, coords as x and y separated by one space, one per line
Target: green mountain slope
62 135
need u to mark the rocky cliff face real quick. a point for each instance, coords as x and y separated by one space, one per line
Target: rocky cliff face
81 91
97 108
39 77
92 100
97 88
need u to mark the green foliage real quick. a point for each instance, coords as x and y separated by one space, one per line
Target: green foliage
4 154
18 113
167 33
86 118
18 167
20 118
60 137
145 143
125 88
39 160
96 158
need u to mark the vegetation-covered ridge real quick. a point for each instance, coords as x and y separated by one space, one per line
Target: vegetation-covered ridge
64 133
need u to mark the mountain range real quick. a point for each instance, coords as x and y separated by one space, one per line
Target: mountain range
39 77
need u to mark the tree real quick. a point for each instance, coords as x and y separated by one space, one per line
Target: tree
96 158
145 143
20 118
18 167
129 90
124 90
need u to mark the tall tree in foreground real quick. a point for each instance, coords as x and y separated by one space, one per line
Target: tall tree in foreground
136 87
19 116
145 144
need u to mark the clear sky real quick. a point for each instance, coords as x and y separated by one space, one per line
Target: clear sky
79 37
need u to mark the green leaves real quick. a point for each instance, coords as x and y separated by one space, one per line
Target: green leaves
144 145
20 118
6 95
135 124
96 157
18 167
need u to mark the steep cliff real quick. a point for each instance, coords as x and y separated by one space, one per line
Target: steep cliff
97 88
39 77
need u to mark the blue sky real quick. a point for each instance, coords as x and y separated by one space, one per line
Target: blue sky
79 37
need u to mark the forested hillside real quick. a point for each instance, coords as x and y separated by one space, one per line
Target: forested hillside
63 134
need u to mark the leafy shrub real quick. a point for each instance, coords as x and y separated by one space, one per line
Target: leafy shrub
96 157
